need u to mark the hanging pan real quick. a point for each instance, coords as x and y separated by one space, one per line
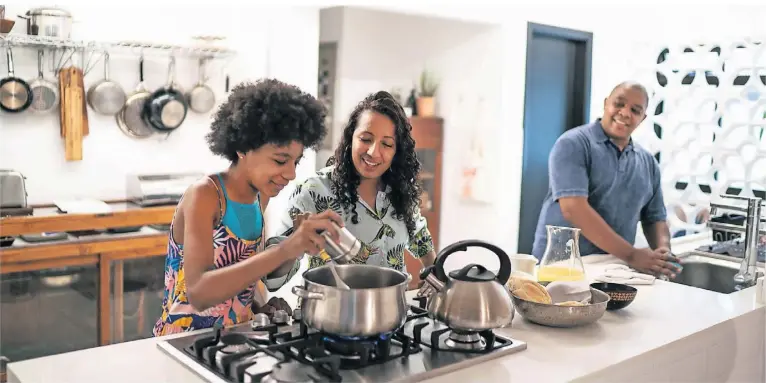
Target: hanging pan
106 97
201 98
15 93
129 118
165 110
45 93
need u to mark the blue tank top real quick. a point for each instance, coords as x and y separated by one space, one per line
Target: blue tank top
243 219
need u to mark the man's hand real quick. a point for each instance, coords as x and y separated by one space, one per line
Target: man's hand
657 262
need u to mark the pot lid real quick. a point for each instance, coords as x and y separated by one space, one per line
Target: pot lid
48 11
473 273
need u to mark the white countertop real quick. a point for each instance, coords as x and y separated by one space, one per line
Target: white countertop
662 313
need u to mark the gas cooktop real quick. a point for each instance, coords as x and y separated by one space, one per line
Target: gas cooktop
288 351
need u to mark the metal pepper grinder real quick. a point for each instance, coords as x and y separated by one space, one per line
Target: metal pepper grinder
347 247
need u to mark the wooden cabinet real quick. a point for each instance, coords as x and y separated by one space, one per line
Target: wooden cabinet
80 292
49 310
428 133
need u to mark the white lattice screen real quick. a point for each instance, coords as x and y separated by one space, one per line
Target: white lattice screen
705 123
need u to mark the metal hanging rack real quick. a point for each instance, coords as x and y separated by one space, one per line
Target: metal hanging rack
128 47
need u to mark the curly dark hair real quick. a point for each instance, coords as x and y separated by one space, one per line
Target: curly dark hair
266 112
402 176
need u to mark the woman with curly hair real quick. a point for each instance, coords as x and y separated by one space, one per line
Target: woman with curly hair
372 182
216 259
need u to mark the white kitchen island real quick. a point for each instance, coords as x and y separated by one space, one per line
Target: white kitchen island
670 333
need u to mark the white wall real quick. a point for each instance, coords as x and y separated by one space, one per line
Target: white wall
624 36
277 41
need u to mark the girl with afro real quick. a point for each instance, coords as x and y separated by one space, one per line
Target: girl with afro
216 262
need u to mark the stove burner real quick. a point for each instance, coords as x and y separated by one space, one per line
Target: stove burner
294 372
280 317
230 345
349 346
465 341
259 336
456 340
232 339
260 320
261 366
236 348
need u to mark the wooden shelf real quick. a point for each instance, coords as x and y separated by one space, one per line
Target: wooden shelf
47 220
155 243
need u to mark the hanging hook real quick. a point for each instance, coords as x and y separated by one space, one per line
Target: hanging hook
63 61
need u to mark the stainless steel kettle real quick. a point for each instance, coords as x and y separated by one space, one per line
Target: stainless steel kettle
472 298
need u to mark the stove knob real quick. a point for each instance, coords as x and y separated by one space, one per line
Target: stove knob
297 314
280 317
260 320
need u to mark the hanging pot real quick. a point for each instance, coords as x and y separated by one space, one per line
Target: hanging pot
15 93
106 96
201 98
166 108
45 93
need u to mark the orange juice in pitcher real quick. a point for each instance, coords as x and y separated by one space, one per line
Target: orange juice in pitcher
561 261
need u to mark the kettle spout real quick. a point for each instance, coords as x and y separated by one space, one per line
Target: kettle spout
431 284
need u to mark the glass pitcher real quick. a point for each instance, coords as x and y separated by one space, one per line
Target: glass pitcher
561 261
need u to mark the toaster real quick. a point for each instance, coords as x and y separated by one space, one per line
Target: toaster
13 192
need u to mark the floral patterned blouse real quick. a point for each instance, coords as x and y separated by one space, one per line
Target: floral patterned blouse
384 238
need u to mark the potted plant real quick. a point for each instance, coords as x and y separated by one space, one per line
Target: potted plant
428 86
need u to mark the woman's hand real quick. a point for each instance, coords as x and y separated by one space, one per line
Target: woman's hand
307 237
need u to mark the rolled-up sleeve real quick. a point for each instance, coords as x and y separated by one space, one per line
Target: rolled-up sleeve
421 243
567 168
654 210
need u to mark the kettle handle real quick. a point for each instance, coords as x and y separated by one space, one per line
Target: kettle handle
505 262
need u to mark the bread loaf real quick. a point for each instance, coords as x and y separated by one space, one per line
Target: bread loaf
531 291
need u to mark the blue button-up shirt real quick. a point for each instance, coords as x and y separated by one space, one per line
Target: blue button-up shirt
623 187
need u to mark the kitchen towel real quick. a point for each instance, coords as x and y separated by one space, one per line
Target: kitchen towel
625 275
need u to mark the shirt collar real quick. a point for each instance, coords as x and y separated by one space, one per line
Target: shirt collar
599 136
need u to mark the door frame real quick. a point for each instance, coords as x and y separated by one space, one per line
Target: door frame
535 29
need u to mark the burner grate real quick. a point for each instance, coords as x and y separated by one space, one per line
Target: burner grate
355 353
436 339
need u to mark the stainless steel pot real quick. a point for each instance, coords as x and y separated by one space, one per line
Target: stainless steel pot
374 305
49 22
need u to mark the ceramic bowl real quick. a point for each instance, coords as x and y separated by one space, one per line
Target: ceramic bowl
563 316
620 295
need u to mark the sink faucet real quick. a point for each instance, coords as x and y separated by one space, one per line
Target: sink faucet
752 229
747 270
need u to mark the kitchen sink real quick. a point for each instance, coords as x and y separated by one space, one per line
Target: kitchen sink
710 273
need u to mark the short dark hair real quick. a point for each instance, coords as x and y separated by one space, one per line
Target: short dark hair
635 86
265 112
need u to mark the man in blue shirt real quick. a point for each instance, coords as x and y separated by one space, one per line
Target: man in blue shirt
604 184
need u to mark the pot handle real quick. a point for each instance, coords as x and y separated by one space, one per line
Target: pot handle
74 21
303 293
505 262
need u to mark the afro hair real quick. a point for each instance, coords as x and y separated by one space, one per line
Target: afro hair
266 112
